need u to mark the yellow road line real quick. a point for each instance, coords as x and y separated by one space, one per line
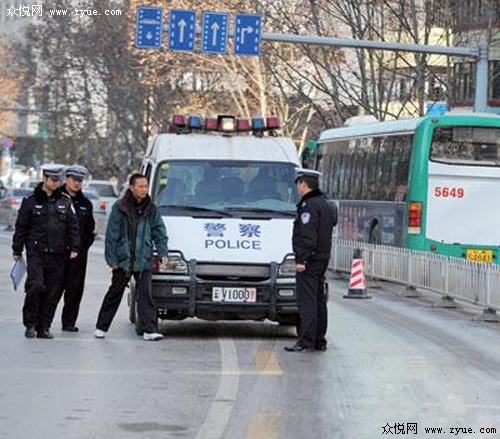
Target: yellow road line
266 363
264 426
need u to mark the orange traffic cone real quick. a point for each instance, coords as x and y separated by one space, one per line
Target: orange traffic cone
357 282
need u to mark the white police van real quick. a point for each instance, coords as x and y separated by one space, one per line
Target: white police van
225 189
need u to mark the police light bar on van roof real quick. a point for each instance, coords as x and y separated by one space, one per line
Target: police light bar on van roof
224 123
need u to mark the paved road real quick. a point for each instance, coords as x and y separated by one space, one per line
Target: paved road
393 363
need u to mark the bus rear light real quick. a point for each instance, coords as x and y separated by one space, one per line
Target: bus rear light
414 218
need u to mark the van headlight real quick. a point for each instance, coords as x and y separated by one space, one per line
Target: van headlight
287 268
175 265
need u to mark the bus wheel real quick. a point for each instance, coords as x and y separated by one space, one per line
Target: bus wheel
375 235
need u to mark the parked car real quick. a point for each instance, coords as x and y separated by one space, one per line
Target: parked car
10 204
98 205
3 189
105 189
30 184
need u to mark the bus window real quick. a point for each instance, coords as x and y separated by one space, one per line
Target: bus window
466 146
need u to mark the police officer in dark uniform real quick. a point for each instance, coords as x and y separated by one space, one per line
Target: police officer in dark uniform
76 268
312 242
46 226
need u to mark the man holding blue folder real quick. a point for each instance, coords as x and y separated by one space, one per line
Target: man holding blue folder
46 227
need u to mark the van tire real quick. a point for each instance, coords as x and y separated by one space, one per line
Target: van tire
291 321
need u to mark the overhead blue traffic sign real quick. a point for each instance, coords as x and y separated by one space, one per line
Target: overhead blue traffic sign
214 32
436 108
181 29
247 34
148 27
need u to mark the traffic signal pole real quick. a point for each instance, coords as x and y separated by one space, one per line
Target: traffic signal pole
480 54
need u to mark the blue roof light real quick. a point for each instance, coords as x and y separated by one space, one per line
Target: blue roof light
195 122
258 123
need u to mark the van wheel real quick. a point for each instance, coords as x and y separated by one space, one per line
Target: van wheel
297 326
291 321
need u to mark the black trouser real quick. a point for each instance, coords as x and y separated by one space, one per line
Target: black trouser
45 272
311 300
145 306
72 287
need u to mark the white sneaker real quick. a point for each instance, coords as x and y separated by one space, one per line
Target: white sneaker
152 336
99 334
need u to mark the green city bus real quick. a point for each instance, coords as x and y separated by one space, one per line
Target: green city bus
426 184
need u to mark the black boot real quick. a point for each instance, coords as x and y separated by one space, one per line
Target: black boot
72 328
44 333
30 332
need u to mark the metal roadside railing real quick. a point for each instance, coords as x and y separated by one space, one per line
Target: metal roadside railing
453 278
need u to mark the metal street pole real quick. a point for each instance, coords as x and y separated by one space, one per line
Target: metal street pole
480 53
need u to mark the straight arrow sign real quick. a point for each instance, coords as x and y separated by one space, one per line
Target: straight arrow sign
214 32
181 30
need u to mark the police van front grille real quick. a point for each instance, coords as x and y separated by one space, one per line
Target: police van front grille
233 272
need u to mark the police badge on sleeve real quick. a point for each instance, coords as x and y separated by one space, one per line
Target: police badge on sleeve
305 217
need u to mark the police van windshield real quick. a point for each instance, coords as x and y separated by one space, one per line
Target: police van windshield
257 187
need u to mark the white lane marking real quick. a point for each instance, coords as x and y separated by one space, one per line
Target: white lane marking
220 410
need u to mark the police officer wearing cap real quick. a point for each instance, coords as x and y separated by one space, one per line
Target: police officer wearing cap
46 227
76 268
312 242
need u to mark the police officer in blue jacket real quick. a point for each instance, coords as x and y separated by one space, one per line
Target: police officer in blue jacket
47 228
312 242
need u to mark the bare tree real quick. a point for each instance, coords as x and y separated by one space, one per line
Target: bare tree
360 80
79 69
10 85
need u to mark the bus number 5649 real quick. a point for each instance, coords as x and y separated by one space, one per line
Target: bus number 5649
449 192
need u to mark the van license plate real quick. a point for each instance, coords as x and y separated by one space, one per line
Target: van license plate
224 294
474 254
